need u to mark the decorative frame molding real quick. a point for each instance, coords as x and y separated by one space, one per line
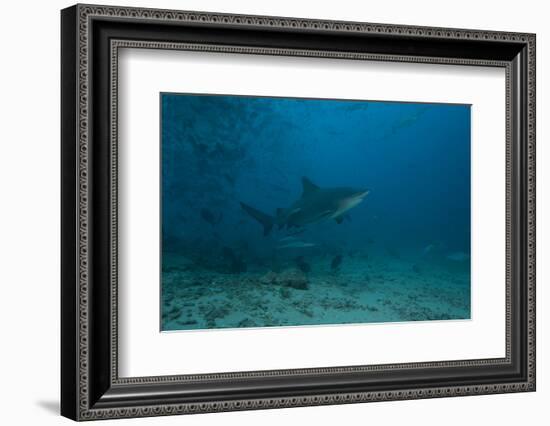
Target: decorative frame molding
91 388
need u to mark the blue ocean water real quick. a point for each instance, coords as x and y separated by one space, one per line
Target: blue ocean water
332 253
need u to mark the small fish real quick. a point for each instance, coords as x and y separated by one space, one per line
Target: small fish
296 244
288 238
236 264
436 248
302 264
336 262
458 256
298 232
428 249
210 217
392 252
278 188
228 253
229 178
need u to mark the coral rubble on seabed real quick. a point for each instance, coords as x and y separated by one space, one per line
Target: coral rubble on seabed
377 290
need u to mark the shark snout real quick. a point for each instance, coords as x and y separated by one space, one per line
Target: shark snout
352 200
361 194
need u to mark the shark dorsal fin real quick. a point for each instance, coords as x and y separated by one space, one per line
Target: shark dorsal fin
308 186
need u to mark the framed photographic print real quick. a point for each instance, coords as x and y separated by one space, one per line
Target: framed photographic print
263 212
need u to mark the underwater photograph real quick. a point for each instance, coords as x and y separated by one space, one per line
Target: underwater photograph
281 211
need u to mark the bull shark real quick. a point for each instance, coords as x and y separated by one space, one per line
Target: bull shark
315 204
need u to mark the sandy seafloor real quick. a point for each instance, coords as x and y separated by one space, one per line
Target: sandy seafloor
363 290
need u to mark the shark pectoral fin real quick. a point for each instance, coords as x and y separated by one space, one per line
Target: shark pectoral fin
339 219
323 215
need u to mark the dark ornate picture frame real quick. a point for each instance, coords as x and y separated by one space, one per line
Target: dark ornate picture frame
90 385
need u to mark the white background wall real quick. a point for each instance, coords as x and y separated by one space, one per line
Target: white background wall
29 211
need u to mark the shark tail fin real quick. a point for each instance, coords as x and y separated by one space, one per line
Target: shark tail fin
264 219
